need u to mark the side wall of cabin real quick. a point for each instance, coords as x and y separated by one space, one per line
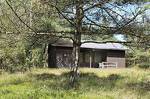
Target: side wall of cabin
51 56
116 56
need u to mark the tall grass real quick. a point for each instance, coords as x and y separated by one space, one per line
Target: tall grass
93 84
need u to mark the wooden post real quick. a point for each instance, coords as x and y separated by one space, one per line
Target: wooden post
90 59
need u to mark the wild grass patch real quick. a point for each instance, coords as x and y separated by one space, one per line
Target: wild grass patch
93 84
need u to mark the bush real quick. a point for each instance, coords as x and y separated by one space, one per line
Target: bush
144 65
140 58
18 53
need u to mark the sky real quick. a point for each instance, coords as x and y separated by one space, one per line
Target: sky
119 37
133 8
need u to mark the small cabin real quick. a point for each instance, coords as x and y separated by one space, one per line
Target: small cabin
92 55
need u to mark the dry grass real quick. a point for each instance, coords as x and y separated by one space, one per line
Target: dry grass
93 84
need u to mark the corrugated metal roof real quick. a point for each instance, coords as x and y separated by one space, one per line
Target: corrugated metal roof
108 46
111 46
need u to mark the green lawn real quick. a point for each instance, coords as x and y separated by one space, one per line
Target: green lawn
93 84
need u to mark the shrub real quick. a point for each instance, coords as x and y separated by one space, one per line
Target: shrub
144 65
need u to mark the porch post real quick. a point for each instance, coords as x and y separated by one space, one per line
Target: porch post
90 59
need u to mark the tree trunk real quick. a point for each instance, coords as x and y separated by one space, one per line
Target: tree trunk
77 42
45 55
76 63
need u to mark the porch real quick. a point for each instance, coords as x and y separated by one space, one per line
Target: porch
92 57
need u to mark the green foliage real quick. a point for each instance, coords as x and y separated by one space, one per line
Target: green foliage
51 24
144 65
16 54
139 58
12 53
37 57
94 84
19 48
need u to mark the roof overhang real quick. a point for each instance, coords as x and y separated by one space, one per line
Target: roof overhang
104 46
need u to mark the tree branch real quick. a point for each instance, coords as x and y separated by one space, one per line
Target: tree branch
18 16
101 3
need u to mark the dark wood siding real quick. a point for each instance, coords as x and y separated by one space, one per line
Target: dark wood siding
62 57
116 56
51 57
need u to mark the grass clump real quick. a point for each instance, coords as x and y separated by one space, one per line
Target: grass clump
93 84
